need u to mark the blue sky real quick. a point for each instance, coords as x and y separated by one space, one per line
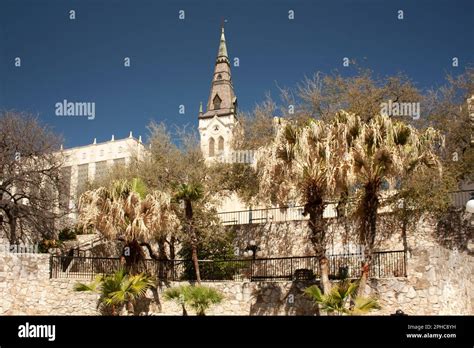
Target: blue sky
172 60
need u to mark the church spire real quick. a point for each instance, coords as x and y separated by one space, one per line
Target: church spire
217 123
222 100
222 53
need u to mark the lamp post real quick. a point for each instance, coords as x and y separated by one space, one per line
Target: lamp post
470 204
470 210
252 249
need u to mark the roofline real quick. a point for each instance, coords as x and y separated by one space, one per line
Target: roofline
105 142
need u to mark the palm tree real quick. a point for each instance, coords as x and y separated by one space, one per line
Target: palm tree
199 298
189 193
386 151
179 295
117 290
128 211
342 299
307 164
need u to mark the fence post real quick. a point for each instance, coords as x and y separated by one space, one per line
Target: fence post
378 259
291 268
50 266
251 270
173 265
405 263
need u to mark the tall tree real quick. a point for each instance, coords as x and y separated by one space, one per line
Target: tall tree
127 210
361 93
447 109
386 151
189 194
30 178
305 164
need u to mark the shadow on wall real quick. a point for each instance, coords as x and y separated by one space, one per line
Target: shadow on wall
107 249
274 299
453 231
147 305
275 238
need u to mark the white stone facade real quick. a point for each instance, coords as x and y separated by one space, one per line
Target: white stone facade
84 164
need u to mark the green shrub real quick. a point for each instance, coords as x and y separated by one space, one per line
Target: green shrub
342 299
117 290
198 297
218 250
67 234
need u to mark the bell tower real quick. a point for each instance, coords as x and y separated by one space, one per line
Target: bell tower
216 125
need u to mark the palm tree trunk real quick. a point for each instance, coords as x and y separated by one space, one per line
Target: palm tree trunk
318 239
163 263
172 247
162 249
193 237
196 262
368 231
364 277
405 242
135 256
323 265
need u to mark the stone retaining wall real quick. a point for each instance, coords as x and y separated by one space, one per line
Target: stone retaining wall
281 239
439 281
26 289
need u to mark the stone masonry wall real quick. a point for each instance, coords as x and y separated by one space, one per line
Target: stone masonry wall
26 289
292 238
439 281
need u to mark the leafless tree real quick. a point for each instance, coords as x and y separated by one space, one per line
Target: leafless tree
30 182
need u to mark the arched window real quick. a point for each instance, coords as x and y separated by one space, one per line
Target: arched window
220 144
217 102
211 147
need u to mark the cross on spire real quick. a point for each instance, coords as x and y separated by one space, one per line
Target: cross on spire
222 45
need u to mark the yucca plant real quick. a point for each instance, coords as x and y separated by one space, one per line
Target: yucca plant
117 290
342 299
198 297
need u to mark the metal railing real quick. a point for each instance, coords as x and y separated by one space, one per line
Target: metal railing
283 214
385 264
264 215
460 198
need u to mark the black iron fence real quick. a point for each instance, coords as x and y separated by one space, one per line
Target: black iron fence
385 264
460 198
264 215
295 213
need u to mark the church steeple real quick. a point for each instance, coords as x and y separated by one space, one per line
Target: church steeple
222 46
222 100
216 125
